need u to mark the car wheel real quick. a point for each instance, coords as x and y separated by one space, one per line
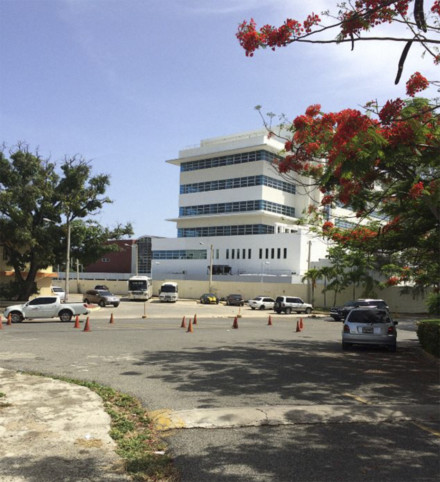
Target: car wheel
308 310
262 307
115 305
102 303
252 308
345 346
65 315
288 311
277 311
16 317
86 301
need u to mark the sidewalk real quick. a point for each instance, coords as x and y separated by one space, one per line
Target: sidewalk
54 431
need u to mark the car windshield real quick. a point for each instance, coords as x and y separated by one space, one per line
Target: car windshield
104 293
369 316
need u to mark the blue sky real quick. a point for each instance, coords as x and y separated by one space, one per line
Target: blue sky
128 83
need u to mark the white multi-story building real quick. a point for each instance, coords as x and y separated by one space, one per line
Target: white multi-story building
238 216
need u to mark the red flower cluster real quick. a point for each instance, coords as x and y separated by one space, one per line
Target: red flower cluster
369 13
390 111
416 190
392 281
311 20
436 7
327 226
416 83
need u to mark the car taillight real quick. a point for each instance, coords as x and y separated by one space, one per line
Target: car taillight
346 329
391 330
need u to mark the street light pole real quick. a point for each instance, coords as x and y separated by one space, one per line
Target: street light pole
210 267
67 273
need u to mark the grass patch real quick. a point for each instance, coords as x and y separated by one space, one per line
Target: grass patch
138 442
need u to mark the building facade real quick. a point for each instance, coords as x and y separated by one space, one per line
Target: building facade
238 216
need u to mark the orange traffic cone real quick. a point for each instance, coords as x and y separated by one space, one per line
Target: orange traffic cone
301 324
183 324
9 322
235 324
190 327
87 325
195 320
1 324
269 321
76 325
112 320
298 328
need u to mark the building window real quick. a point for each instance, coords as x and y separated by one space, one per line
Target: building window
235 183
235 230
279 253
227 254
285 253
260 253
180 254
272 253
249 253
236 207
229 160
267 253
233 253
244 254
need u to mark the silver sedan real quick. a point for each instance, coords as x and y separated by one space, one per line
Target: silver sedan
261 303
369 326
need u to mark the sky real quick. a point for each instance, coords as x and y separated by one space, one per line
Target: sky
126 84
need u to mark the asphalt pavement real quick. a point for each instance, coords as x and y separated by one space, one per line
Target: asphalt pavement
56 431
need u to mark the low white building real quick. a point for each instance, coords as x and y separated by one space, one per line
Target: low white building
238 216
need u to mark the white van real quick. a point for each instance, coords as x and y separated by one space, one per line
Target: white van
169 292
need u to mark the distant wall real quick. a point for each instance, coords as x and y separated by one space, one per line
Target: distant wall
194 289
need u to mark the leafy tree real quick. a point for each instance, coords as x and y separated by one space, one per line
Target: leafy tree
312 276
380 164
38 208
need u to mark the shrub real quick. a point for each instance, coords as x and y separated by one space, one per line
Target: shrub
428 333
433 303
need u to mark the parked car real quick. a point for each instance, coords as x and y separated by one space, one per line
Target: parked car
291 303
340 312
368 325
235 300
261 303
101 297
45 307
209 298
58 291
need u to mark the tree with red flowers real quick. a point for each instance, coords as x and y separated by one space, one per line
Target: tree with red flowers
382 163
353 23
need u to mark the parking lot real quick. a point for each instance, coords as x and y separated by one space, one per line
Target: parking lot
147 353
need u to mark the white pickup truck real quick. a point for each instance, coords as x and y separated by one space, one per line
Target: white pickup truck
45 307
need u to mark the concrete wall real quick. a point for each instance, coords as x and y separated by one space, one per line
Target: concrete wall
194 289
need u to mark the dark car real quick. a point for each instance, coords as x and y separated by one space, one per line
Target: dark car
101 297
339 313
209 298
235 300
102 287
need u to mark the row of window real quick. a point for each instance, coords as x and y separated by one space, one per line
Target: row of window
263 253
228 160
234 253
238 182
236 230
237 207
180 254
